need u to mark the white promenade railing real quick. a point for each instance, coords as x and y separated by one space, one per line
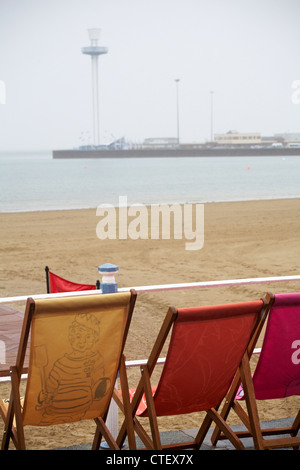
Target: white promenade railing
112 418
163 287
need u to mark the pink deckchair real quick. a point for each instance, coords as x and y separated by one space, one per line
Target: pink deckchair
205 350
277 375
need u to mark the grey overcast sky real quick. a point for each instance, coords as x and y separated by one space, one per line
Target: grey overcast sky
246 51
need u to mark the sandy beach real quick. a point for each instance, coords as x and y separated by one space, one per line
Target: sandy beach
241 240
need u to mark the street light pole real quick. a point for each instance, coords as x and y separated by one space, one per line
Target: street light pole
177 80
211 116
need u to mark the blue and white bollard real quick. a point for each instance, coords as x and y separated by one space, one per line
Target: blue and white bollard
108 284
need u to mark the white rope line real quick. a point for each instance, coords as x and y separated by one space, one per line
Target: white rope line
162 287
128 364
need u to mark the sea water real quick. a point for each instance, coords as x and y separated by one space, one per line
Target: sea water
34 181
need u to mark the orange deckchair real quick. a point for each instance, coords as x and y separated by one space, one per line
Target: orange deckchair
205 350
76 351
276 376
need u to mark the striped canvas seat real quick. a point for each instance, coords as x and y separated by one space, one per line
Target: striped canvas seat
76 352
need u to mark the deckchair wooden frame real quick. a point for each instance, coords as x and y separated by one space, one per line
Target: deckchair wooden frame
144 386
12 414
250 419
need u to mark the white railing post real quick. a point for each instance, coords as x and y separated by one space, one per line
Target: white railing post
112 421
108 285
2 352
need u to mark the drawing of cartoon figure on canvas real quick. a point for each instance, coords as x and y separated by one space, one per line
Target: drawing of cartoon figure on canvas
77 378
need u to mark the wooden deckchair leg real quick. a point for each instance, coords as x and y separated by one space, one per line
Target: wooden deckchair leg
8 416
203 431
296 424
251 403
295 428
151 409
241 414
14 412
97 437
126 404
15 382
231 436
137 426
7 433
102 430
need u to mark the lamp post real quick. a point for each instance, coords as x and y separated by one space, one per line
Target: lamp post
94 51
177 80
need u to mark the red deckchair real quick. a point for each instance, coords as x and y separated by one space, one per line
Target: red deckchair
205 350
277 375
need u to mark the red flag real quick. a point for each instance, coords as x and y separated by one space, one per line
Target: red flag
58 284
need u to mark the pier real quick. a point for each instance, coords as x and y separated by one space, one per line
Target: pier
181 151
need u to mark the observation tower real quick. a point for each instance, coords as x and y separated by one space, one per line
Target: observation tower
95 51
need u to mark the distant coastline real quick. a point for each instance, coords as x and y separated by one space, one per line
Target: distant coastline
176 152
